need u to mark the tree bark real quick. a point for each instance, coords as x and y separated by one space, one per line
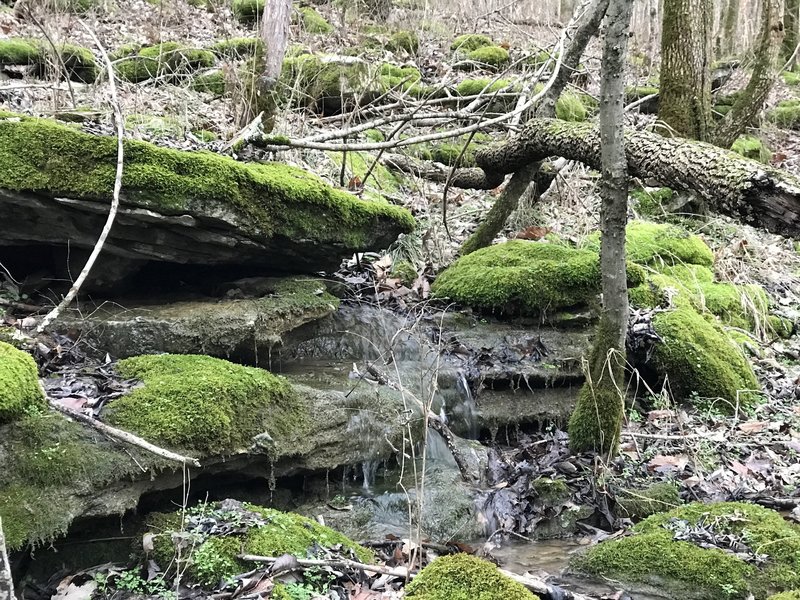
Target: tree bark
765 70
596 422
744 189
258 90
685 83
730 28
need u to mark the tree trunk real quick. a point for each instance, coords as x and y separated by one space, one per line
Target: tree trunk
275 30
685 84
791 14
733 185
6 582
729 28
765 70
595 424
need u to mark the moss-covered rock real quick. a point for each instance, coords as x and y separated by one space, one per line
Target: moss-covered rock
786 114
752 147
78 61
524 277
392 77
464 577
403 41
651 201
168 61
205 405
248 11
321 78
312 21
791 78
261 200
260 531
701 360
492 57
659 244
237 48
470 41
570 107
652 555
210 82
641 503
19 384
473 87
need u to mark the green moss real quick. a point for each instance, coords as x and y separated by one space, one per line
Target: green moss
31 516
206 405
658 497
470 41
248 11
652 556
405 41
658 244
393 77
167 61
570 107
464 577
204 135
42 156
212 82
638 92
317 78
19 384
753 148
405 272
374 135
78 61
473 87
700 359
358 163
651 201
155 125
793 595
313 22
786 114
791 78
237 48
780 326
524 277
550 491
271 533
490 56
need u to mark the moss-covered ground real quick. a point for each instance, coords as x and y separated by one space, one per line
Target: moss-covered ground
652 556
19 384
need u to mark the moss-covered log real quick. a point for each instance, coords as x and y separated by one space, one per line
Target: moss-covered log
747 190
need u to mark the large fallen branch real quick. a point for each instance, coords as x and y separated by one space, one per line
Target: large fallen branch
745 189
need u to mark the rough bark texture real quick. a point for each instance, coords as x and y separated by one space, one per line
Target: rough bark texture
596 422
730 27
275 31
6 582
747 190
765 70
685 85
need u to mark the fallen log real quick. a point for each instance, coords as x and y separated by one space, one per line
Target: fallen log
747 190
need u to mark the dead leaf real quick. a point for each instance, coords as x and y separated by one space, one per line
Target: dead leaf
667 464
753 426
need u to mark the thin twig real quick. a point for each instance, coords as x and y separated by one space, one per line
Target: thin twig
112 213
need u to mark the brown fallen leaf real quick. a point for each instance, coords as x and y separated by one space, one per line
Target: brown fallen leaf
753 426
666 464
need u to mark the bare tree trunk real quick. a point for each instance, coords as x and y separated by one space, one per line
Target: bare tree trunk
791 14
6 582
729 29
275 30
685 83
765 70
596 422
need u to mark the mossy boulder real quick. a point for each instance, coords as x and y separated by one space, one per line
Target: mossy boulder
659 244
238 47
168 62
484 85
403 41
312 21
271 208
470 41
248 11
786 114
700 360
653 556
524 277
259 531
210 82
19 384
324 81
491 57
78 61
464 577
753 148
641 503
205 405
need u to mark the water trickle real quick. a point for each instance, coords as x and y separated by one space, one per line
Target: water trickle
369 468
468 409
